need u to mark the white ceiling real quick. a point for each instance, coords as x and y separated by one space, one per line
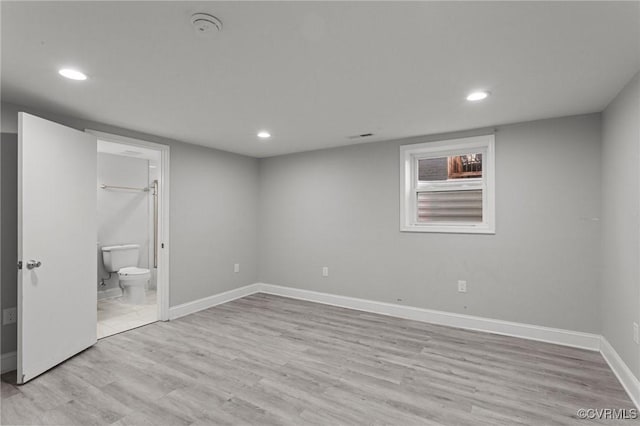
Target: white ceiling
314 73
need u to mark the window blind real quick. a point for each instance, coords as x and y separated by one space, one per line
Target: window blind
450 206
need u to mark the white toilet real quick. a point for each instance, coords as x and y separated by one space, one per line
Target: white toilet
124 260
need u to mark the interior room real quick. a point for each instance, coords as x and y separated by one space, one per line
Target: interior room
402 213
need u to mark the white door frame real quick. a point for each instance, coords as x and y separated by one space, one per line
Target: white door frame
163 213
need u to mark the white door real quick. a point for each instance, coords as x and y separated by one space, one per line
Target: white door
57 289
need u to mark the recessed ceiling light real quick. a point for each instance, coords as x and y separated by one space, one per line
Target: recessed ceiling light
264 135
477 96
152 167
72 74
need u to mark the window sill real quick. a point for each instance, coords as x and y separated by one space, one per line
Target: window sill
455 229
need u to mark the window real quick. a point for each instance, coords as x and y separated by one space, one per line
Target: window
448 186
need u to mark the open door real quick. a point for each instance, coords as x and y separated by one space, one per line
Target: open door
57 233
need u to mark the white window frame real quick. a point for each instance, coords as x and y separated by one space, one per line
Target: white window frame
409 185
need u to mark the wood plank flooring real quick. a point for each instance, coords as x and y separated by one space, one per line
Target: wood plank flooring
269 360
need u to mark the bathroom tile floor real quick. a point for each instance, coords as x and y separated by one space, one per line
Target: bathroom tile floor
115 316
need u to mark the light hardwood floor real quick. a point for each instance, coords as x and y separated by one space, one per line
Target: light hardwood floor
271 360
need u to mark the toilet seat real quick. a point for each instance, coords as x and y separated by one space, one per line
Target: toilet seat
133 273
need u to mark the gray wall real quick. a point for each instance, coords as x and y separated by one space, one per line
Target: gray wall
9 234
340 208
215 198
621 223
123 216
214 207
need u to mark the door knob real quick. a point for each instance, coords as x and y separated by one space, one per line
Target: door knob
33 264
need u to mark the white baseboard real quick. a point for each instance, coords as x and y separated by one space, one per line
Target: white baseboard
8 362
628 380
207 302
527 331
109 293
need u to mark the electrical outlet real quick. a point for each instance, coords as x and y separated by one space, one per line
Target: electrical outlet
636 335
236 267
462 286
325 271
9 316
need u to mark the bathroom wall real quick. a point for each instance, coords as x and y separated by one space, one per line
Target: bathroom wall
123 216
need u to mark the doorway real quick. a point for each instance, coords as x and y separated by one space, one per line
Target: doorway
133 217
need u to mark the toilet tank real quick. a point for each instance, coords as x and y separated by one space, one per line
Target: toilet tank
118 257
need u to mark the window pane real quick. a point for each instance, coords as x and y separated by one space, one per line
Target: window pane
454 167
430 169
465 166
450 206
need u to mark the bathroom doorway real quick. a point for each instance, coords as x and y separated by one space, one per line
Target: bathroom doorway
132 249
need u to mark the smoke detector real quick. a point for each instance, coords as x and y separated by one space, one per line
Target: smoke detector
205 24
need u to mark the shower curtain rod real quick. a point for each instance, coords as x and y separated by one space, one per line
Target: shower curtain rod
103 186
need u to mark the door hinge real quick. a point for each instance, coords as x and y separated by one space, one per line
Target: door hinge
19 264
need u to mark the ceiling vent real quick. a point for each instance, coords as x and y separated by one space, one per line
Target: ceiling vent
363 135
205 24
